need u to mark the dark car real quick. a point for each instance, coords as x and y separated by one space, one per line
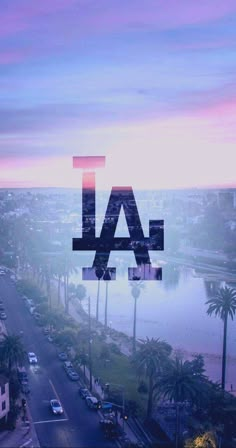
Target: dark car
72 375
84 392
62 356
3 315
67 365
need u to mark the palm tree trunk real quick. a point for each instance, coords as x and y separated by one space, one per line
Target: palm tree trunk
224 353
106 303
177 424
134 325
150 394
59 290
64 290
48 286
66 294
97 306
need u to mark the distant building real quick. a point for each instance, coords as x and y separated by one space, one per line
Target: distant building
4 397
226 199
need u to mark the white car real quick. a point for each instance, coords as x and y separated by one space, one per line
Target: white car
56 406
92 402
32 358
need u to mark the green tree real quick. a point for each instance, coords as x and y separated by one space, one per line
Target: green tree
150 360
82 359
69 268
75 292
11 351
223 305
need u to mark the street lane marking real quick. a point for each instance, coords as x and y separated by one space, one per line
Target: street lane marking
57 396
51 421
26 443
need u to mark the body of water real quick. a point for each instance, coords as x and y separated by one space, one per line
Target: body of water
173 309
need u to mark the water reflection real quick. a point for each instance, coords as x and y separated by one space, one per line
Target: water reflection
211 287
171 276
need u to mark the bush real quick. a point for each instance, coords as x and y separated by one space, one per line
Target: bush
114 348
142 388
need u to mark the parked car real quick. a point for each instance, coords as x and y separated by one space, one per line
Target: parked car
32 310
46 331
29 303
1 306
32 358
84 392
92 402
50 338
62 356
106 406
56 406
72 375
3 315
67 365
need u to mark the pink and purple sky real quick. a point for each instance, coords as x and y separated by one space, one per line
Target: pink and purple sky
150 84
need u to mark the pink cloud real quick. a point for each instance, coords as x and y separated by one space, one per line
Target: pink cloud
220 118
109 15
11 57
162 13
19 16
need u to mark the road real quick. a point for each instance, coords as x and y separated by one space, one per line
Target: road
78 426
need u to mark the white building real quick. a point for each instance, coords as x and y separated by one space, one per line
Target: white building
4 397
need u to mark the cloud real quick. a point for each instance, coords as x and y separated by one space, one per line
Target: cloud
108 15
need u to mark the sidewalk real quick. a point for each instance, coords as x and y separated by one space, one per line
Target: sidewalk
96 388
24 434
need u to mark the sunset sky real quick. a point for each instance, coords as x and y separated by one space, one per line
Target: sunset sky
150 84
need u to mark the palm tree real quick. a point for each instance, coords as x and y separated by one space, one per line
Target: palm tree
78 292
136 286
59 271
182 381
11 351
83 361
69 268
99 274
150 360
223 305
